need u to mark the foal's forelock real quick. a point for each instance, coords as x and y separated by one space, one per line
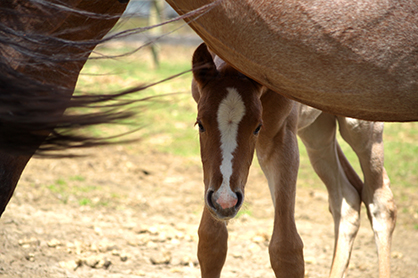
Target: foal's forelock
230 113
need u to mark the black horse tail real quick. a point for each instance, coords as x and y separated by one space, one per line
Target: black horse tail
43 46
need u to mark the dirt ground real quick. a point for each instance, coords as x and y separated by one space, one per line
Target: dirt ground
127 211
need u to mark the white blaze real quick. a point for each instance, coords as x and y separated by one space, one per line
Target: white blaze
230 113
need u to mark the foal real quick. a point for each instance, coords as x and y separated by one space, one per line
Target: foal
236 115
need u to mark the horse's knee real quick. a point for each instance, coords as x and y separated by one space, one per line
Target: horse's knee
213 238
383 218
286 257
382 212
380 204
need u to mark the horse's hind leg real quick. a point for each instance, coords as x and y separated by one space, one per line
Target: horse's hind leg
213 245
366 140
11 167
344 200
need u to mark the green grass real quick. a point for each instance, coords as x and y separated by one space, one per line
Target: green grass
85 202
73 186
60 190
244 211
60 182
77 178
401 153
167 120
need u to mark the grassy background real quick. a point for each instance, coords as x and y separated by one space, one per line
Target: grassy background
168 121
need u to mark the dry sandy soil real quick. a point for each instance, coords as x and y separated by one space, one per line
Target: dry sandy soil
126 211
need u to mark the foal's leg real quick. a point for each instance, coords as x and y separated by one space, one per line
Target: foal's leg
213 245
366 140
344 200
278 154
11 167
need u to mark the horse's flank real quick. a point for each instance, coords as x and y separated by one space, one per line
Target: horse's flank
352 58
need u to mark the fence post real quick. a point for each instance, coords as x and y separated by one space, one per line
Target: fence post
156 16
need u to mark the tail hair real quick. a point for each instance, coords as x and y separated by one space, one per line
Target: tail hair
31 107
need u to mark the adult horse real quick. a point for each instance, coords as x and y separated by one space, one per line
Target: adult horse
355 58
236 116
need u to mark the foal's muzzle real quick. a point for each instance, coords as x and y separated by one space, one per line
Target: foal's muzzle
224 208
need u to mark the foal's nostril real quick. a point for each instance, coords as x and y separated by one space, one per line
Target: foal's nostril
240 200
209 199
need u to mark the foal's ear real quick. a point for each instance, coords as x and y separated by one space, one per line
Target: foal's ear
204 69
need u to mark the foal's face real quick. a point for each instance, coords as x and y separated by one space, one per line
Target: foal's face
229 120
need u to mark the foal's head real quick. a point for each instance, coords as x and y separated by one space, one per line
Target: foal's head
229 119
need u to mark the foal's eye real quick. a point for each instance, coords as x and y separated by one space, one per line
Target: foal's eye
257 130
199 124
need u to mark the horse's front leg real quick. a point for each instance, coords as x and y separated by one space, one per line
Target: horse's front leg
213 245
286 246
277 152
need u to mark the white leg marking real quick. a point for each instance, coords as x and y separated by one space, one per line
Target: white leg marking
230 113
